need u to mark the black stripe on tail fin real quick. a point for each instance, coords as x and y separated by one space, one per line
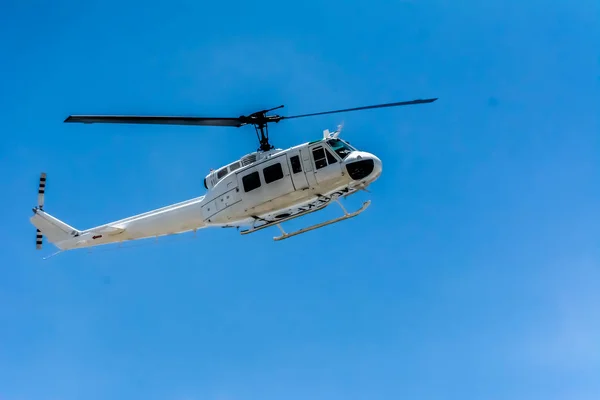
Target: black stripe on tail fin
40 205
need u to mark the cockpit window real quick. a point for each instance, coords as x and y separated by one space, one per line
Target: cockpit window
340 147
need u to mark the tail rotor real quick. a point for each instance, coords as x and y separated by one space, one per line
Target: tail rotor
40 206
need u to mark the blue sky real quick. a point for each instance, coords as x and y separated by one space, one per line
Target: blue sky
474 274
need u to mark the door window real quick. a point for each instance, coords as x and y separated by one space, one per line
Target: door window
251 181
273 173
319 157
323 157
330 158
296 166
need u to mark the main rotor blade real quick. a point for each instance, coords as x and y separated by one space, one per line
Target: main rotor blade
401 103
133 119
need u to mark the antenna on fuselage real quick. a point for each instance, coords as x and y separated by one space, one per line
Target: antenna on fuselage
338 130
333 135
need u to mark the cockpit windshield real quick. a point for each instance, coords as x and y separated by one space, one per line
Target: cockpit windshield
340 147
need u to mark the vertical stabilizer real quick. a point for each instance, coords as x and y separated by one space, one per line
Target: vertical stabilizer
53 229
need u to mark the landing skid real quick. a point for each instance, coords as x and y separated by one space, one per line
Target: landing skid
285 235
271 223
322 224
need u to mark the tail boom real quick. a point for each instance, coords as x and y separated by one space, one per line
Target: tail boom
178 218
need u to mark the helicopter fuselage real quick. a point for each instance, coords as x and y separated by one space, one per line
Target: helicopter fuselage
278 183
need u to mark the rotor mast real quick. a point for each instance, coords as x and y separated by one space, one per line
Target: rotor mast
263 139
260 121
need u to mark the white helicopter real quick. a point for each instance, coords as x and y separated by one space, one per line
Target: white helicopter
262 189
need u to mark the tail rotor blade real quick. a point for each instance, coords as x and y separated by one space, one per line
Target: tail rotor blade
41 190
39 240
41 193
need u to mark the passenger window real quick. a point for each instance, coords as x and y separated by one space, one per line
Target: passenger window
234 166
222 172
251 181
330 158
296 166
273 173
319 156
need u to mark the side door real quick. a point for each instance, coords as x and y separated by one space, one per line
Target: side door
296 171
326 165
264 182
276 176
251 187
308 166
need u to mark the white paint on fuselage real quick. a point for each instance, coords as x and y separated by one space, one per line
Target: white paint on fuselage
226 203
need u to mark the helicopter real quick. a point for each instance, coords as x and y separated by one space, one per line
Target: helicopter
262 189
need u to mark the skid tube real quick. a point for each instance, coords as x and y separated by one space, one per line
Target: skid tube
267 223
346 215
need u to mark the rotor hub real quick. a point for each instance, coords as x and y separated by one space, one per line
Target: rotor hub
260 120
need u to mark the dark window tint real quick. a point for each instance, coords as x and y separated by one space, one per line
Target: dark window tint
330 158
234 166
273 173
319 156
251 181
296 166
222 172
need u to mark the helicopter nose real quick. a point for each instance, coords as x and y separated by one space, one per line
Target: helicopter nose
377 167
363 166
